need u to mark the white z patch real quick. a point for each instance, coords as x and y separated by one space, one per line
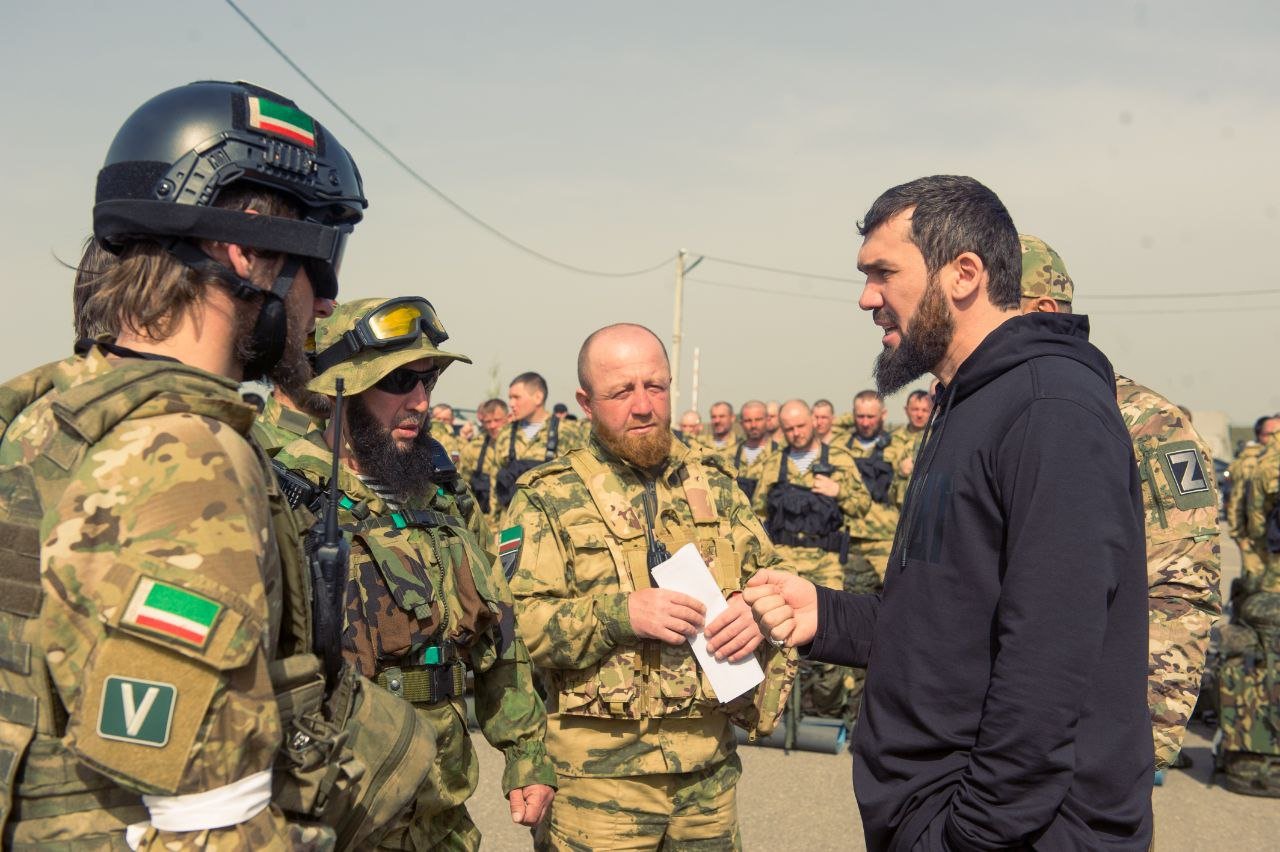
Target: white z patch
1188 475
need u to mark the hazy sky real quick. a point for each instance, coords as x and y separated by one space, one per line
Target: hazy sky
1139 139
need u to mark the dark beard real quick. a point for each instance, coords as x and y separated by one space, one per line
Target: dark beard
406 472
919 351
646 452
293 371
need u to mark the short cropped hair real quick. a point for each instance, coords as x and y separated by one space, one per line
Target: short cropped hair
952 214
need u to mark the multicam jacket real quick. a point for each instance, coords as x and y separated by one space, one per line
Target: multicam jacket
425 587
880 522
137 624
278 426
1180 498
583 523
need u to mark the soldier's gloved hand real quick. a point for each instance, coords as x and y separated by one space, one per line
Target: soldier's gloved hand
670 617
530 804
825 485
784 605
733 635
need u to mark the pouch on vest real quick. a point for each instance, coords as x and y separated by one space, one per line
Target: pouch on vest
358 763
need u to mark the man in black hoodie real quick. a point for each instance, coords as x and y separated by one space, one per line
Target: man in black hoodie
1005 705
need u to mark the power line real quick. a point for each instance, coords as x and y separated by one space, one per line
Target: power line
413 173
772 292
1216 294
782 271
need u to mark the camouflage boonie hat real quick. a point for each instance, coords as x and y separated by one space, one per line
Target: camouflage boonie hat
1043 272
362 370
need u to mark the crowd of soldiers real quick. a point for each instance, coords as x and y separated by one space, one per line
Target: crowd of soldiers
245 627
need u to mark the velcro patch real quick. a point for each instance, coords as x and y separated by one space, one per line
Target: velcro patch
136 711
172 611
1189 482
510 542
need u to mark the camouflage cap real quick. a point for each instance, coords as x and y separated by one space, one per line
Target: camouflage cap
362 370
1043 272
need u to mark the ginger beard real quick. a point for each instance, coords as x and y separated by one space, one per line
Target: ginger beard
921 348
646 451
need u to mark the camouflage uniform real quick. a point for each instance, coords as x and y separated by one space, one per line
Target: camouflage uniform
150 598
1249 674
453 445
872 533
426 601
1180 498
1241 475
479 465
635 717
517 453
278 426
422 581
825 687
728 449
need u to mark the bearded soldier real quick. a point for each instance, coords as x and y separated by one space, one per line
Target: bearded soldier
643 749
426 601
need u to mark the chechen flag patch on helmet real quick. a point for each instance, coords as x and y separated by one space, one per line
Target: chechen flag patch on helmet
509 543
271 117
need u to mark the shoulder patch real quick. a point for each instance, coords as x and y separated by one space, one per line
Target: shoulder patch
510 541
170 611
1188 480
136 711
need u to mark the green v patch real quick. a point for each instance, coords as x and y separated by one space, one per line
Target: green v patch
136 711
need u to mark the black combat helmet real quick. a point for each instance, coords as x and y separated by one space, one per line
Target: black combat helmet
179 151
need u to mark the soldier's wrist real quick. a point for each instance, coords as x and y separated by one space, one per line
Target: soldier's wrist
614 613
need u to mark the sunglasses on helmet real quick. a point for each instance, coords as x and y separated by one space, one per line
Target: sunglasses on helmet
394 324
402 380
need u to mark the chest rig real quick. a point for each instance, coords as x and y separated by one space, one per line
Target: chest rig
418 598
648 678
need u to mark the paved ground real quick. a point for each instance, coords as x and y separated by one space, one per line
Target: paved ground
805 800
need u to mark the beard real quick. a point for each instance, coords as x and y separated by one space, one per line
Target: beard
294 370
920 350
644 451
407 471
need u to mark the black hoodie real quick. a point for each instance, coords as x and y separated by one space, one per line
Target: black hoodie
1005 704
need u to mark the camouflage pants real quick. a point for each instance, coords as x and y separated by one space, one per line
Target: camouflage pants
692 810
864 575
1251 563
824 688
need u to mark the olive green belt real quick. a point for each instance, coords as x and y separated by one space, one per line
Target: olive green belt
425 684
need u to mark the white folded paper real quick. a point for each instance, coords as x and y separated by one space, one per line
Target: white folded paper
686 572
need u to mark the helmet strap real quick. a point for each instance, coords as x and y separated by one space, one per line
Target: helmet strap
272 327
271 331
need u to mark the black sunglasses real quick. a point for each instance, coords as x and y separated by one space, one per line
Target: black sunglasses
402 380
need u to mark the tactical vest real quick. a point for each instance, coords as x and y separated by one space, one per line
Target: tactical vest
648 678
505 481
433 571
796 516
481 484
1273 526
1249 697
748 483
40 780
876 473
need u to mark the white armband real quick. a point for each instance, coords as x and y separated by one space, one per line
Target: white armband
237 802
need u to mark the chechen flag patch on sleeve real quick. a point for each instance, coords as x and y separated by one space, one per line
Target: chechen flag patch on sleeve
509 543
172 611
271 117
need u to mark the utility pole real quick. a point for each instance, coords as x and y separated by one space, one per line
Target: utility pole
677 333
693 402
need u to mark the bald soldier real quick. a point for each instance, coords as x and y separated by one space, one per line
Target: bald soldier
690 426
1180 499
755 444
643 748
808 492
721 438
